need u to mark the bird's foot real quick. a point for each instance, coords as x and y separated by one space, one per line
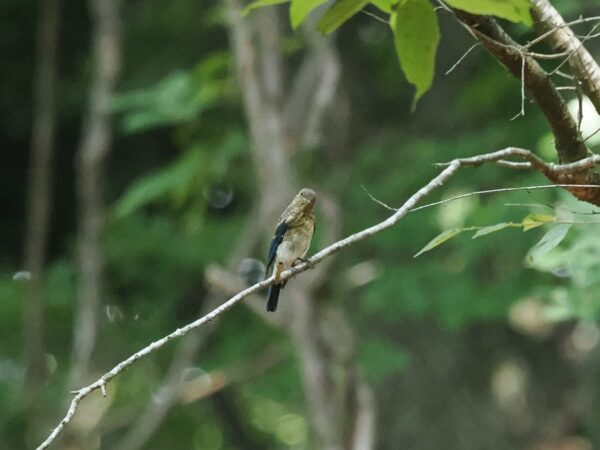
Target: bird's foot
311 265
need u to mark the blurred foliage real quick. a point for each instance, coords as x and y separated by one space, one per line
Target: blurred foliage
181 186
577 263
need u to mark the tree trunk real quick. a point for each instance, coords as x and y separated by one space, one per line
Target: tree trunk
38 208
94 147
39 199
339 403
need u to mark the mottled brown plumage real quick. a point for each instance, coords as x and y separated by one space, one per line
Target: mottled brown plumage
291 240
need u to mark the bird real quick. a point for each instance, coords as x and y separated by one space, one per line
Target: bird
291 240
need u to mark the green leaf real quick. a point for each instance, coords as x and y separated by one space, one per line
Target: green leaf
536 220
338 13
385 5
513 10
178 98
416 35
177 180
300 9
492 229
549 241
261 4
440 239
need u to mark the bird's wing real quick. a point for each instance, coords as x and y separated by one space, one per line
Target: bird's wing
277 238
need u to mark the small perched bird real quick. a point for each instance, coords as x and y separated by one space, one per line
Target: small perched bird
291 240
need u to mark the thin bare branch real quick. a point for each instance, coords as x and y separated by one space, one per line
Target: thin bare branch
564 75
376 200
435 183
522 111
465 54
410 205
548 33
592 134
503 190
548 55
575 52
534 162
374 16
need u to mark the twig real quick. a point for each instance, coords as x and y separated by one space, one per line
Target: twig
548 55
495 191
577 87
575 50
534 162
374 16
592 134
560 73
385 205
465 54
487 191
548 33
592 36
522 112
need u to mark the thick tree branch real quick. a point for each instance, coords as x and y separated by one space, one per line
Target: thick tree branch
562 39
568 141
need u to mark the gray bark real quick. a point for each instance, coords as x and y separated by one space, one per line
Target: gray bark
94 147
39 199
583 66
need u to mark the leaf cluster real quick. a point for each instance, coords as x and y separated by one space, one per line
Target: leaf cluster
414 25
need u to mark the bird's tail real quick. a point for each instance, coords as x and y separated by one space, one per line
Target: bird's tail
273 297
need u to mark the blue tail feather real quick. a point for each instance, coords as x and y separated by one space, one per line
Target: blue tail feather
273 297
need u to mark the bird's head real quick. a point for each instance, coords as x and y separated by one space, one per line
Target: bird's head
306 199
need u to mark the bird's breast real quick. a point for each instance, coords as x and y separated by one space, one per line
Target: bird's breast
294 245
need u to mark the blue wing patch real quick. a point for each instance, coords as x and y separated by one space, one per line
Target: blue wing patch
277 238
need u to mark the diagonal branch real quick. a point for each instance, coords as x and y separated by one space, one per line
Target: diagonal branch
435 183
152 417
